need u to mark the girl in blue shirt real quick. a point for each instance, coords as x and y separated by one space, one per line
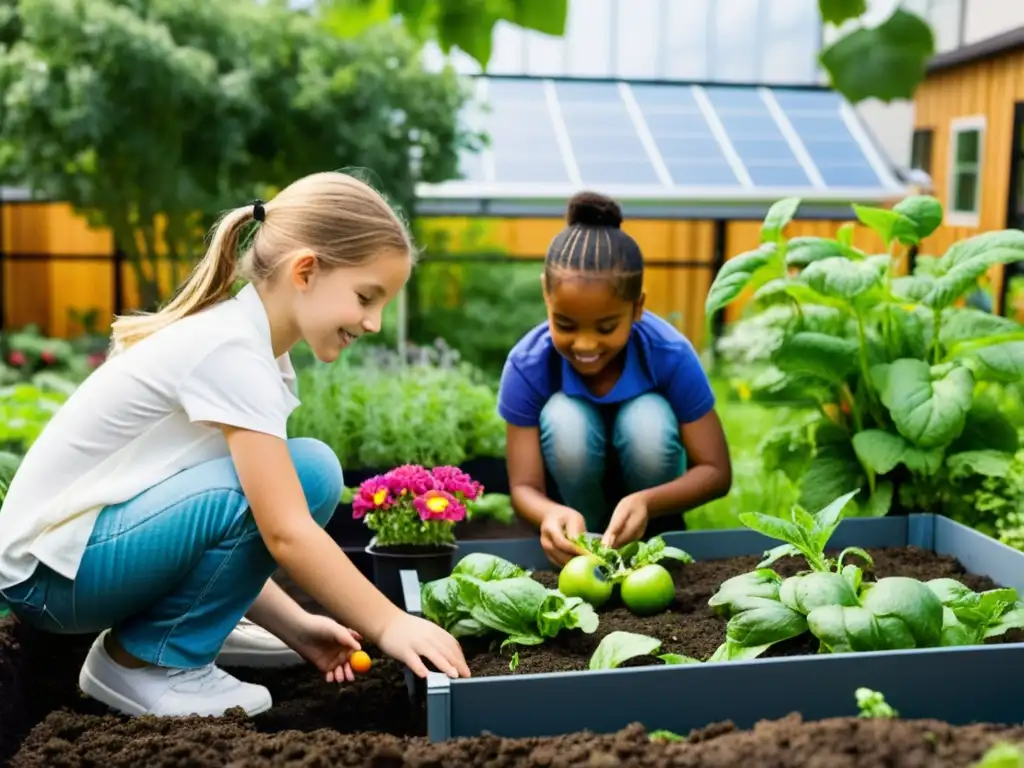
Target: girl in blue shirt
607 405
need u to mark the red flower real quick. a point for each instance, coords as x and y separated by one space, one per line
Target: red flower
16 358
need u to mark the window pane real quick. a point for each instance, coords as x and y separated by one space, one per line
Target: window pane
921 151
965 199
967 146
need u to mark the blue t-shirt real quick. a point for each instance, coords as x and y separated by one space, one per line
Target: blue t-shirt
658 359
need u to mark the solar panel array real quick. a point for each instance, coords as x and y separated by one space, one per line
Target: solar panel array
605 133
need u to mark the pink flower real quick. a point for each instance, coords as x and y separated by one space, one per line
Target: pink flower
409 479
48 357
455 481
439 505
373 494
16 358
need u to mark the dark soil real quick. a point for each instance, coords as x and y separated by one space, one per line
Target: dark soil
689 627
45 722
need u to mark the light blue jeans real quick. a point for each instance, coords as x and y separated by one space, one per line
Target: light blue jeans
174 569
575 444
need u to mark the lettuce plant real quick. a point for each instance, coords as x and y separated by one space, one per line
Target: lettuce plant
892 358
618 647
839 608
488 595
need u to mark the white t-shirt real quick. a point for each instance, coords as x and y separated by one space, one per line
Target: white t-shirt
136 421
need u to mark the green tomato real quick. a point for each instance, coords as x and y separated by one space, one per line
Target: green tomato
648 590
584 577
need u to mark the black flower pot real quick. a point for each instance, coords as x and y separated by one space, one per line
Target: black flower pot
430 562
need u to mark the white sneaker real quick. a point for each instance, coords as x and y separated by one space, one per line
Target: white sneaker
205 691
250 645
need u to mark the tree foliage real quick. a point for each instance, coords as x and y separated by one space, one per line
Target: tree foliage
885 61
151 116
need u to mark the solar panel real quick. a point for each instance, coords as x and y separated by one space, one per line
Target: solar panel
604 140
682 134
757 137
818 121
521 126
607 134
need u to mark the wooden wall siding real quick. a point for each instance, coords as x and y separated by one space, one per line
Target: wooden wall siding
990 88
43 293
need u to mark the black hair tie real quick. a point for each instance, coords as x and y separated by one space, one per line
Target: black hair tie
259 213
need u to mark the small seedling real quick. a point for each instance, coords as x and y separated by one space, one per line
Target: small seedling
872 704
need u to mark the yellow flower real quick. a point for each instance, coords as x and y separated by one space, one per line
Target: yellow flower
437 503
743 391
380 496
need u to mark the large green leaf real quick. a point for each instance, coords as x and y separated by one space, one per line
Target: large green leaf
889 224
974 247
833 471
837 11
736 274
778 216
832 358
969 324
801 251
885 62
924 211
928 405
986 427
787 290
882 451
842 278
996 362
964 275
911 288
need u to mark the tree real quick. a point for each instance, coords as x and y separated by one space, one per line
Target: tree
151 116
887 61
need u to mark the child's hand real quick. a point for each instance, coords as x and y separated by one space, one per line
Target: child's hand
327 645
559 527
407 638
628 522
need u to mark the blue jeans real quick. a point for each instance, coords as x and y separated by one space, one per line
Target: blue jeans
174 569
578 439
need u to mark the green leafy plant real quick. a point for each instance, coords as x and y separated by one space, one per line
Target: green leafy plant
488 595
492 506
872 704
382 414
840 609
895 379
618 647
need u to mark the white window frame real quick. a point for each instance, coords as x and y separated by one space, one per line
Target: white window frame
956 127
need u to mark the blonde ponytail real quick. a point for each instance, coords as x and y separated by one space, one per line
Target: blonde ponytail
209 283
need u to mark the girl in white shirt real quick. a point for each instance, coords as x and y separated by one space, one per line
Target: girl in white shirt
159 500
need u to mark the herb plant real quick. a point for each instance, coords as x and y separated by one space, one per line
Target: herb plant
891 358
488 595
414 505
844 612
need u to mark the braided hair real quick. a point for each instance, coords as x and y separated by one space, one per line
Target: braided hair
594 245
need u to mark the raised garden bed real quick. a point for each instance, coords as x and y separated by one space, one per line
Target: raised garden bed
370 723
958 684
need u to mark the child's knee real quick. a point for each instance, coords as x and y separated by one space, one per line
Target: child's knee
646 428
320 475
571 434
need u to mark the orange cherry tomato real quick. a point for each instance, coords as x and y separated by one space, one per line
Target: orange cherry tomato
360 662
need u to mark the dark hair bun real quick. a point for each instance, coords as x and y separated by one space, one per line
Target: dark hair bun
594 210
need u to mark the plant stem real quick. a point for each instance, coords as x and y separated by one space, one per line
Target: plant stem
936 327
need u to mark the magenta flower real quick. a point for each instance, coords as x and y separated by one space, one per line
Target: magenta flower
409 479
373 494
454 481
439 505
